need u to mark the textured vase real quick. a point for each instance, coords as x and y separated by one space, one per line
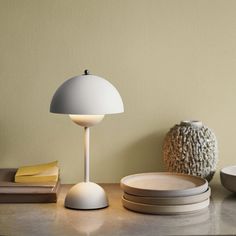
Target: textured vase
191 148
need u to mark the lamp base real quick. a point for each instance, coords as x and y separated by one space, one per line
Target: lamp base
86 196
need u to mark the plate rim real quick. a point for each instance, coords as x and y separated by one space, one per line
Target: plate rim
160 209
184 200
164 193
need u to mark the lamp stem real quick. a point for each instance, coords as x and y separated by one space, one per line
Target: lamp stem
86 154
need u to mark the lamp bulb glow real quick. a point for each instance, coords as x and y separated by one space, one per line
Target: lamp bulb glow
86 120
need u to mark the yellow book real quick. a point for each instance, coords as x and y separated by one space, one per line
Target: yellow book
48 172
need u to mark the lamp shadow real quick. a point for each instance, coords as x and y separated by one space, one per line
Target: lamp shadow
144 155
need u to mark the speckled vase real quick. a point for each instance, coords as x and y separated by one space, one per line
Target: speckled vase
191 148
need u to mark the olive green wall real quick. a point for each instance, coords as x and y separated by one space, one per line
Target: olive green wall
170 60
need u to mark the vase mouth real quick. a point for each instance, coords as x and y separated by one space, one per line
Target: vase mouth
195 123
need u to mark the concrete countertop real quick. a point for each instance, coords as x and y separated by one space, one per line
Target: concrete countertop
54 219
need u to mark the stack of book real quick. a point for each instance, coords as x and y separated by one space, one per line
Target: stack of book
30 184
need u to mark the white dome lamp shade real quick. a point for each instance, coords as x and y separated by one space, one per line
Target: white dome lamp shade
86 99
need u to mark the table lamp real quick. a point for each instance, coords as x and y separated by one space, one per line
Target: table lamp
86 98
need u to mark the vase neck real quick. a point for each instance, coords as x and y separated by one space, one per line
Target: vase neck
195 123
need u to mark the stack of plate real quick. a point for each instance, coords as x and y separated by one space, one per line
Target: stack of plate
165 193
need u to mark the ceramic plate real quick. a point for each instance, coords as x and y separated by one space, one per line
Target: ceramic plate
165 209
163 184
169 200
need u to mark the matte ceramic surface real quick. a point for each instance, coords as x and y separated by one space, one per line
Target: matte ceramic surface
229 170
86 196
228 178
163 184
169 200
165 209
191 148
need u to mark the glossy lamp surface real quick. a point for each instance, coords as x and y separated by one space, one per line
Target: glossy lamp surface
86 99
